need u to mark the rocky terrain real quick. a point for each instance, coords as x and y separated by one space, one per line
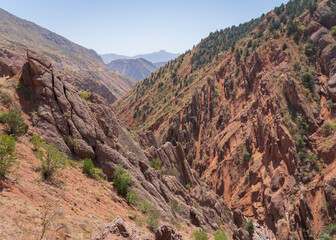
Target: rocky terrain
252 109
83 67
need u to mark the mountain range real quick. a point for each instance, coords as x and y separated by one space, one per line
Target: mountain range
160 56
137 69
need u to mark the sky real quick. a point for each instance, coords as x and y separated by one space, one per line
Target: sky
131 27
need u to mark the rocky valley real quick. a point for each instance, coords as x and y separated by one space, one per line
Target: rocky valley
234 139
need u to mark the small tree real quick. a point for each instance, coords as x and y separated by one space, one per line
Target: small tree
122 180
249 226
52 161
89 169
132 197
7 154
15 122
37 142
153 220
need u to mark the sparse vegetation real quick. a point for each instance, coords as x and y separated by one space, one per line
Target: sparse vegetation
174 205
7 154
89 169
86 95
328 128
200 234
132 197
145 206
15 122
52 160
121 181
156 163
220 235
249 226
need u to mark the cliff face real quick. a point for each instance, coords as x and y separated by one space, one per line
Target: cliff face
257 121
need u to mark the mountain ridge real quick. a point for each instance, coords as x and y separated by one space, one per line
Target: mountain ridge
160 56
17 35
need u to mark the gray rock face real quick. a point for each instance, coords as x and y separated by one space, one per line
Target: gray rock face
118 229
167 232
332 87
90 129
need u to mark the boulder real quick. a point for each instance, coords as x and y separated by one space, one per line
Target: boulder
167 232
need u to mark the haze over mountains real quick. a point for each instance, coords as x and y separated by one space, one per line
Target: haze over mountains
84 65
140 66
155 57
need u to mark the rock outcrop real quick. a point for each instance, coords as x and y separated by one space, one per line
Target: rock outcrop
118 229
167 232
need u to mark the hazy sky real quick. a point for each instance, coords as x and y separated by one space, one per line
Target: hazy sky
133 27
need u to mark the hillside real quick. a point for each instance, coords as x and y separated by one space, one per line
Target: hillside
155 57
137 69
55 193
253 108
84 66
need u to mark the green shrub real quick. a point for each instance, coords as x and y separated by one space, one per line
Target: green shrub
145 206
174 205
52 161
200 234
284 46
122 180
153 220
249 226
328 128
297 37
310 51
86 95
15 122
308 80
7 154
246 155
220 235
187 186
329 232
132 197
89 169
156 163
297 66
37 142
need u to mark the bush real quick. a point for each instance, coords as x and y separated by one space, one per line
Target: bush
37 142
132 197
86 95
89 169
310 51
52 161
145 206
246 155
249 226
122 180
153 220
156 163
284 46
308 80
297 66
15 122
174 205
7 154
328 129
296 37
200 235
220 235
6 97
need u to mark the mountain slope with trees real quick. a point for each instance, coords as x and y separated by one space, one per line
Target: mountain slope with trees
253 107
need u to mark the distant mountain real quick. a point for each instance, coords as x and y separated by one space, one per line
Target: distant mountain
135 68
82 65
161 56
107 58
